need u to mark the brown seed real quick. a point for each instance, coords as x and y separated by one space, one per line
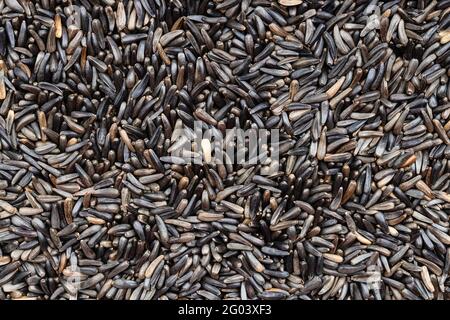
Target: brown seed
58 26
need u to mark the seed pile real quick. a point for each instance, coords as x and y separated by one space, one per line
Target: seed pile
93 207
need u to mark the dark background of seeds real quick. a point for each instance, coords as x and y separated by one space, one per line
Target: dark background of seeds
92 207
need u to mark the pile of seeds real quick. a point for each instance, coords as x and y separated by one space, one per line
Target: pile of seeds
93 206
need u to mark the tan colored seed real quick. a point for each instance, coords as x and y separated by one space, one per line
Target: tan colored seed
289 3
123 134
27 211
206 148
349 192
162 54
335 88
422 186
2 86
293 89
68 206
3 66
207 216
8 207
94 220
121 18
178 24
409 161
444 36
362 239
42 120
333 257
334 102
72 141
58 26
426 278
4 260
151 268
